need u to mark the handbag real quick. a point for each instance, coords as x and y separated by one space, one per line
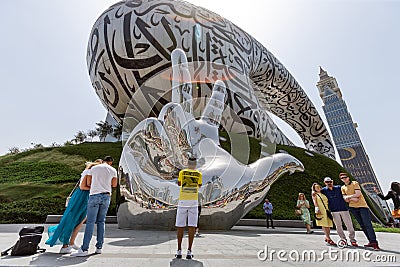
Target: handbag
298 212
328 212
70 194
316 216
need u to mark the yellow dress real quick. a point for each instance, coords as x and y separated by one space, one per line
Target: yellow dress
325 221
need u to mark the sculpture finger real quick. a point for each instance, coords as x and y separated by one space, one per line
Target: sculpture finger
212 113
181 81
175 124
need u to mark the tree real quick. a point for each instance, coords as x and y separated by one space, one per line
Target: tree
92 134
68 143
103 129
80 137
14 150
117 132
37 146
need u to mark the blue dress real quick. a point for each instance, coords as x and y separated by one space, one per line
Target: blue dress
73 215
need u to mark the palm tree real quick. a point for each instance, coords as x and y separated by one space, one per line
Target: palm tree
117 132
103 129
80 137
92 134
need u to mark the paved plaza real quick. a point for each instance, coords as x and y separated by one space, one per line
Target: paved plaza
241 246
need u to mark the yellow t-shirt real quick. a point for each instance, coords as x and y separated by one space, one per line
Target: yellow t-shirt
190 181
350 189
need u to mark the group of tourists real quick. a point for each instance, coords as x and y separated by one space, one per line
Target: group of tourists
333 204
339 201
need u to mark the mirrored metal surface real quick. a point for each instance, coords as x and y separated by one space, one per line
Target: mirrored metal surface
158 148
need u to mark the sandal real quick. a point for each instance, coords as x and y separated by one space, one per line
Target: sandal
330 242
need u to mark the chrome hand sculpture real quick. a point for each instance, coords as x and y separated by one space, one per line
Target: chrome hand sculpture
158 148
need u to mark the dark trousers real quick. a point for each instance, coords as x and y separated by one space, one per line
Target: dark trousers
269 218
364 219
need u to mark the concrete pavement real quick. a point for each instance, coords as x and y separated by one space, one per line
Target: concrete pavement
241 246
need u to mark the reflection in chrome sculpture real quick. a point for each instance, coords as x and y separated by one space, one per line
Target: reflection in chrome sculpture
157 148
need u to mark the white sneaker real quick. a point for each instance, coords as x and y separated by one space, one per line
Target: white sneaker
79 253
189 255
178 254
75 247
66 250
98 251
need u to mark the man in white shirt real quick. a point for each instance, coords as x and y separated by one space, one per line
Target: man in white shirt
100 179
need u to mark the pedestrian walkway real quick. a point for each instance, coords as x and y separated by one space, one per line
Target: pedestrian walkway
241 246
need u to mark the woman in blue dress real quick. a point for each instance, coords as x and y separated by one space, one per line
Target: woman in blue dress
74 216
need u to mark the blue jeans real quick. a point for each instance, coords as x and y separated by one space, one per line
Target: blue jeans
96 213
364 219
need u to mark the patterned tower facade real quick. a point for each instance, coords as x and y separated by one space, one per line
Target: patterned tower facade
348 143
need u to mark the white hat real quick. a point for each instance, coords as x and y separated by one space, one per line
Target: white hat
328 179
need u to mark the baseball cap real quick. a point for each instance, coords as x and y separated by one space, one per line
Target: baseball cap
192 160
108 159
328 179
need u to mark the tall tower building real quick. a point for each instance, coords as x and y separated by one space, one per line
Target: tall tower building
348 143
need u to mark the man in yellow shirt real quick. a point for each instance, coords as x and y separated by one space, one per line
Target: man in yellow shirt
358 207
190 180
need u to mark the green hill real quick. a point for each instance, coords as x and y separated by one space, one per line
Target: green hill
36 183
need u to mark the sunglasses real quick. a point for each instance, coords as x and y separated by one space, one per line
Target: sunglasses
344 177
328 182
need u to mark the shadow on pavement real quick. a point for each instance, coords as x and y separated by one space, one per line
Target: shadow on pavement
185 263
251 232
135 238
57 259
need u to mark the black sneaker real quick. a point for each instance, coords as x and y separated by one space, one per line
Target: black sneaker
189 255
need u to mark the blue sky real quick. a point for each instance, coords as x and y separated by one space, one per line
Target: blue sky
46 95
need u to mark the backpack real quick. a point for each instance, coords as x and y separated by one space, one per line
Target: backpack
28 242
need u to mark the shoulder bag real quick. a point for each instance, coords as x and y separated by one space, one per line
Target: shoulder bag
328 212
70 194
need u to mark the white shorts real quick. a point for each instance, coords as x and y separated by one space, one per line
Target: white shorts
186 216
